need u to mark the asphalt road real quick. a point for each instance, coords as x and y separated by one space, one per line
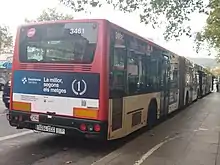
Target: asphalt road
5 128
35 148
191 137
23 147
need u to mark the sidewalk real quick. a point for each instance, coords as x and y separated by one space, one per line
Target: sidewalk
189 138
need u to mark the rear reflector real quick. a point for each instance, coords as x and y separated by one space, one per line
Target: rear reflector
85 113
21 106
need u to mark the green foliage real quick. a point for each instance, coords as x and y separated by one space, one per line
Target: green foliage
175 13
6 40
50 14
211 33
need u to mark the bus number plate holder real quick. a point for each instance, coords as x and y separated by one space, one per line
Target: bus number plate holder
50 129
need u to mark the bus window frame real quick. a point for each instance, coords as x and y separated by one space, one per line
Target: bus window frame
24 43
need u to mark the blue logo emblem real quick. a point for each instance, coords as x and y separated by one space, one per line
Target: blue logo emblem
24 80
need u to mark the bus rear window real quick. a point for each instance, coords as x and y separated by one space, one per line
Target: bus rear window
58 43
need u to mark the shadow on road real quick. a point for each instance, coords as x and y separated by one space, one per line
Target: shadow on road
36 149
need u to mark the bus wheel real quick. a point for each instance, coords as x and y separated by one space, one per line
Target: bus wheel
187 99
197 94
7 105
1 87
152 114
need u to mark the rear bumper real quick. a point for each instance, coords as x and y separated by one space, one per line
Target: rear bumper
21 120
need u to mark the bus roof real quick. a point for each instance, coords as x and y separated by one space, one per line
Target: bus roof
101 20
63 21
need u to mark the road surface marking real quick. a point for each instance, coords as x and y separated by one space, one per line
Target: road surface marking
203 129
15 135
152 150
2 114
108 158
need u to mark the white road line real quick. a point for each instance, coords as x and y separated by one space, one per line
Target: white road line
108 158
15 135
152 150
3 114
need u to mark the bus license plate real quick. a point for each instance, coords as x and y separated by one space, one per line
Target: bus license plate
50 129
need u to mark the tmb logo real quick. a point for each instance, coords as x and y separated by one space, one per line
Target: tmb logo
24 80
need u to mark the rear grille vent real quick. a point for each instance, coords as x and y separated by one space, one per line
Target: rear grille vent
85 68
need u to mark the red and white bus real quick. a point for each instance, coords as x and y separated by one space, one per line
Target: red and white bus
92 78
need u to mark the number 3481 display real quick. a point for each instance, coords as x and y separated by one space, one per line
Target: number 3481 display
77 31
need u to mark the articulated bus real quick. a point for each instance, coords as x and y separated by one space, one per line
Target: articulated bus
204 80
96 79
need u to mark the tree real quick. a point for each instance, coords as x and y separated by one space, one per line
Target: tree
174 14
211 33
6 40
215 71
50 14
208 68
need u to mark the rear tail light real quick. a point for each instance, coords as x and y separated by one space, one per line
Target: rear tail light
90 127
97 127
82 127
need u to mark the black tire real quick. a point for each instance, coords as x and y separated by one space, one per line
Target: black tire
7 105
187 99
1 87
198 94
197 97
152 114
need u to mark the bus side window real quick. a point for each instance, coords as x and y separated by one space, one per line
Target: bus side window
147 72
132 69
117 70
136 73
154 73
174 75
142 74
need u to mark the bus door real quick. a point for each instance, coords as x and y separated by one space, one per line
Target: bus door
117 86
166 83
